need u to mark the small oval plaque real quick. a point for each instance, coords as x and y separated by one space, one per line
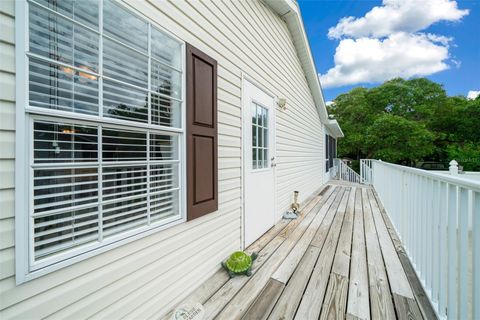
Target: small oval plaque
189 311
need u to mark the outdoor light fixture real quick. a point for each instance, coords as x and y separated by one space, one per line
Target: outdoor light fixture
282 103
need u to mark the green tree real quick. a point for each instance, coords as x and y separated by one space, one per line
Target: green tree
395 139
405 121
467 155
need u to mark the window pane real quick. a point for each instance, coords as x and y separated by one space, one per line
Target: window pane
63 142
123 145
165 111
56 38
254 158
259 116
163 147
265 117
125 198
123 64
260 136
254 113
61 231
254 136
125 26
59 189
124 102
164 205
84 11
163 177
265 158
166 80
166 49
61 88
260 158
125 181
265 138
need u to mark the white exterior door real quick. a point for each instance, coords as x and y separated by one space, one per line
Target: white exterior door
259 161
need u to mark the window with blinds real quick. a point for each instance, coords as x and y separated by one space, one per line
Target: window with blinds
105 90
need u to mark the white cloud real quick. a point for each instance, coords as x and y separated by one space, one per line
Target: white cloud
368 60
329 103
473 94
387 43
397 15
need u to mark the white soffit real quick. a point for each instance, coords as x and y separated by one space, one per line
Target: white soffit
334 128
289 11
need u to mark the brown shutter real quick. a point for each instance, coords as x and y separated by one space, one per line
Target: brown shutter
202 180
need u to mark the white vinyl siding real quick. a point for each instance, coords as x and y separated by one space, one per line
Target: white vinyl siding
146 277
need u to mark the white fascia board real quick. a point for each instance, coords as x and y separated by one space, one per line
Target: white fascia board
334 128
290 12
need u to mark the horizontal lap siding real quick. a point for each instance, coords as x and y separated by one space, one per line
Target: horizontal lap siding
146 277
7 140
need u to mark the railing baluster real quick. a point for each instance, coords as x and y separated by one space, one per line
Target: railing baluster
476 255
462 254
452 251
428 233
435 241
442 294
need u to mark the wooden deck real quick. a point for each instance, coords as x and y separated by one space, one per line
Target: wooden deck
340 259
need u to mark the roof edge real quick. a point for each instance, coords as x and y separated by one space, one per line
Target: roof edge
334 128
290 12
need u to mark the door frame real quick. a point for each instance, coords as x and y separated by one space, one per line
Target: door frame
243 100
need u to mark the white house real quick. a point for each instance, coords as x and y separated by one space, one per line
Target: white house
141 142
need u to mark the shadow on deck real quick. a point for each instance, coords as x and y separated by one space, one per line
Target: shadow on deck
340 259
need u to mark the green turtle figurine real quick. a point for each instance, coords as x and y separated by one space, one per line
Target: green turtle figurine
239 263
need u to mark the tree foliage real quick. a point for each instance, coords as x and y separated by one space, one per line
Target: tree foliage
406 121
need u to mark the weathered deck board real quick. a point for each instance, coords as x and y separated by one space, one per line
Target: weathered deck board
219 278
358 297
239 303
335 301
311 303
381 304
420 295
339 260
286 269
397 278
287 305
265 302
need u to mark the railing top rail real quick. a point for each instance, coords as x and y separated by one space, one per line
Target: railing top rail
462 182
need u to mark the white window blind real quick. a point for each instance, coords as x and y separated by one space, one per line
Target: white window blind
104 107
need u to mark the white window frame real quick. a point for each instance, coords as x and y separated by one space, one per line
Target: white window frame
23 154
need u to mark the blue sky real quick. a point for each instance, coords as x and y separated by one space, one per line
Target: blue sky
438 39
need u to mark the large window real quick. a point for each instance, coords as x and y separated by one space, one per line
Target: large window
103 117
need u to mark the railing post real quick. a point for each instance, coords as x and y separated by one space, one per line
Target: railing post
453 169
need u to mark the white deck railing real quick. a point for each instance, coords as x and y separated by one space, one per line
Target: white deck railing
366 171
345 173
437 217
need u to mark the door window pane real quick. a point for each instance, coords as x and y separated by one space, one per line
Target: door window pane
259 136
